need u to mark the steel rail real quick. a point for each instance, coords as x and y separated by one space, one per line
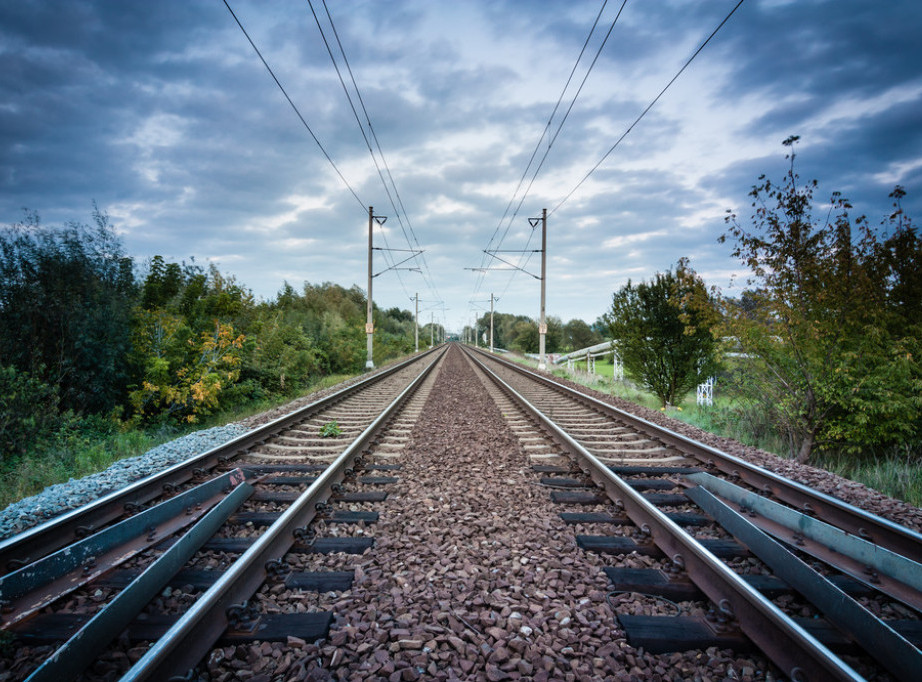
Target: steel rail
855 520
77 653
33 587
199 628
887 646
28 546
799 655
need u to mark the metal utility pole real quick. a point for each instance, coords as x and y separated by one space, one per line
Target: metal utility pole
542 324
416 321
431 329
492 298
369 320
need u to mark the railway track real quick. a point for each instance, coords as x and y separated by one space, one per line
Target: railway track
209 533
474 520
710 515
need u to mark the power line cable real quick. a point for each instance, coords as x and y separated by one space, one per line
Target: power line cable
294 106
547 126
534 152
387 257
388 182
525 255
570 108
645 111
371 128
555 135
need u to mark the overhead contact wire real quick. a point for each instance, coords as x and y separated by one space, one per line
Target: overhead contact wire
387 257
294 106
526 257
534 152
646 110
401 213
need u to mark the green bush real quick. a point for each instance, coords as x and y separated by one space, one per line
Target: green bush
29 413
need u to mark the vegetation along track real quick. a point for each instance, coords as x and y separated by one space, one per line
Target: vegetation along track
473 574
183 570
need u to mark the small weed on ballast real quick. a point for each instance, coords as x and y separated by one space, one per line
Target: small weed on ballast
330 430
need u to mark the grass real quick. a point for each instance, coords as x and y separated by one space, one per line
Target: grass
97 444
76 456
897 474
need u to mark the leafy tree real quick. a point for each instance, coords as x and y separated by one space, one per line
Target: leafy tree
283 358
162 284
833 358
525 336
65 309
553 340
578 334
187 342
506 328
185 373
896 269
664 332
28 412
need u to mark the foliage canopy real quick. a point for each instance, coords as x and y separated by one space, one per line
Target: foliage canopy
85 331
832 325
663 330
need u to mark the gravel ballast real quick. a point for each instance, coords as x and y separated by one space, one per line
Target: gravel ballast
63 497
474 575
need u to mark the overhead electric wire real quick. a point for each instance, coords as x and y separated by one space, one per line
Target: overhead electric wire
526 255
535 151
400 213
294 106
570 108
371 128
646 110
387 257
547 126
553 138
547 151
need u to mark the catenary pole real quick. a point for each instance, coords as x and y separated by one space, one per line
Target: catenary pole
492 298
369 320
542 324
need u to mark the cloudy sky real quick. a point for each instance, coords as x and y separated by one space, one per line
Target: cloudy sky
163 114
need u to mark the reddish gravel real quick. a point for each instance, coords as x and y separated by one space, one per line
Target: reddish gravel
475 577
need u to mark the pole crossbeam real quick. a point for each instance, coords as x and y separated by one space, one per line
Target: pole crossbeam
513 266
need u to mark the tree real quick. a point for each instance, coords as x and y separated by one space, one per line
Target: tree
162 284
184 373
525 336
28 413
663 330
578 334
65 309
832 358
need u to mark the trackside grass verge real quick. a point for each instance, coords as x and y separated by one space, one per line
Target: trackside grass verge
94 444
